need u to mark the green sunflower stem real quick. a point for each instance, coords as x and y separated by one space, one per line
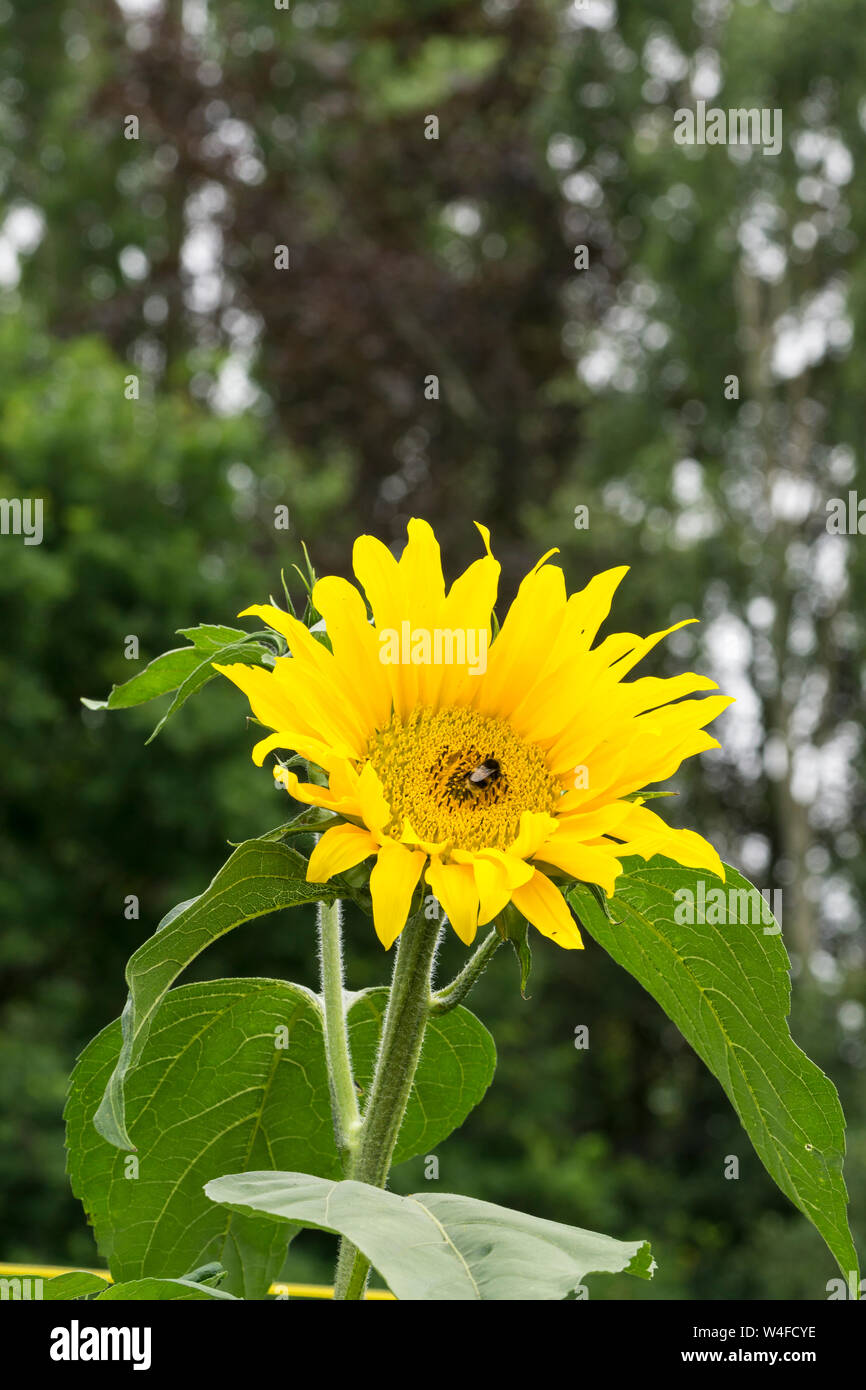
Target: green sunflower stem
399 1051
451 995
344 1100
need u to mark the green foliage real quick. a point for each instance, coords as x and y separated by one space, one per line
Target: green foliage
186 670
234 1073
142 537
725 985
436 1246
160 1290
78 1283
455 1070
261 876
213 1086
150 523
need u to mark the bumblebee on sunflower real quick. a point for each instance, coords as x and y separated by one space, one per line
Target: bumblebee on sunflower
491 782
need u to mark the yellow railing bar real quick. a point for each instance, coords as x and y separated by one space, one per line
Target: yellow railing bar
293 1290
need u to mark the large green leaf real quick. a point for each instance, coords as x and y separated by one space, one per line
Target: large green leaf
456 1068
437 1246
727 989
260 877
212 1092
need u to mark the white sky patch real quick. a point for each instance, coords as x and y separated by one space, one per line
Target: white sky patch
830 568
22 230
237 139
610 355
824 968
698 519
591 14
792 498
564 151
134 264
842 464
804 337
806 715
764 257
823 779
598 367
706 81
233 391
851 1015
463 217
728 644
695 524
195 17
139 9
754 854
24 227
583 188
663 59
825 154
687 481
201 251
761 612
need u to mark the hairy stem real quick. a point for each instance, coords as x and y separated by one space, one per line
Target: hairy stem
344 1101
451 995
399 1050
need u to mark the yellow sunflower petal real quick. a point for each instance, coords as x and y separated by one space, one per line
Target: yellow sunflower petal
294 702
420 567
355 647
543 905
529 632
645 834
312 795
454 886
411 837
267 745
535 828
496 876
375 811
588 863
392 883
341 847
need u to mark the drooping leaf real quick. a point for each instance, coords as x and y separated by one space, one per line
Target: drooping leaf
215 1088
160 1291
439 1246
513 927
212 1274
244 653
186 670
260 877
726 987
161 676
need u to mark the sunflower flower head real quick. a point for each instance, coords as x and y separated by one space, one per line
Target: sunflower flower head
491 768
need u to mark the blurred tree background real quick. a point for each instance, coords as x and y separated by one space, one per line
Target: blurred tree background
146 248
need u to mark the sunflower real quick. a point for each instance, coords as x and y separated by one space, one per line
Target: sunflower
489 772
